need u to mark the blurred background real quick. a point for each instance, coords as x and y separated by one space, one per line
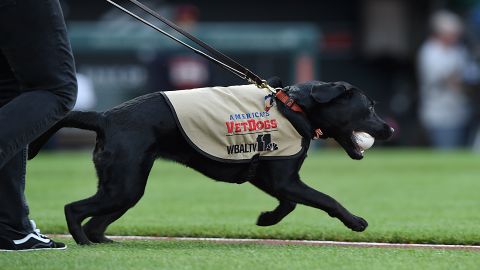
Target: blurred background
417 59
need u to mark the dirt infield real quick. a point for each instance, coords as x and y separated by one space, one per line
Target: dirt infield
292 242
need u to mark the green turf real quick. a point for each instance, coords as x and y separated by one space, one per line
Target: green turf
407 196
139 255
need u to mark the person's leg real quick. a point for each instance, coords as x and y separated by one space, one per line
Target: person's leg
36 47
37 88
14 221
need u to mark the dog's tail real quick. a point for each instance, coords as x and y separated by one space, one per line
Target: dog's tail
93 121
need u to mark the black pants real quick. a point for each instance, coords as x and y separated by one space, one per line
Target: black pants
37 88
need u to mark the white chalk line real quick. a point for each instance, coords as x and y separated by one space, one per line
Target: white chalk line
289 242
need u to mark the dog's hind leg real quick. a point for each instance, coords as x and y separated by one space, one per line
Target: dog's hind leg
121 186
95 228
105 206
273 217
75 216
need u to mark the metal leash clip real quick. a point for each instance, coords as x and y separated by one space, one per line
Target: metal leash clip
265 85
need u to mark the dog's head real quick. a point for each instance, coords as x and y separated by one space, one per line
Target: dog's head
339 109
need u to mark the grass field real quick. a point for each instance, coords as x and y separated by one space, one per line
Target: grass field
140 255
408 196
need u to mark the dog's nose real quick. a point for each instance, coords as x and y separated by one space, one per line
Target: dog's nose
387 132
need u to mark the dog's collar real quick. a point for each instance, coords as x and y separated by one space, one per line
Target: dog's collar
290 103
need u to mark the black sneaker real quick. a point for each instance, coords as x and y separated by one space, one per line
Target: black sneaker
32 241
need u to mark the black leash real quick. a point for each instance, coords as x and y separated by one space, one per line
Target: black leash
218 57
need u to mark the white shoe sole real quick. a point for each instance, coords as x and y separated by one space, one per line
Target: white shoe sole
33 249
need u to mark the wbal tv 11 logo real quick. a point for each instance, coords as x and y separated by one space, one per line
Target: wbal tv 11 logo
262 144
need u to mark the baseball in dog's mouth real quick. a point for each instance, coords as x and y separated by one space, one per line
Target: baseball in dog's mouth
361 141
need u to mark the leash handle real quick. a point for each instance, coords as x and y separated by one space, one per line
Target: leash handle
218 57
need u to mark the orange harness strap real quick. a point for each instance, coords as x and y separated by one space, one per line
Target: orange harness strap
290 103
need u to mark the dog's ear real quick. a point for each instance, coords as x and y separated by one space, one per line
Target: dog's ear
275 82
324 93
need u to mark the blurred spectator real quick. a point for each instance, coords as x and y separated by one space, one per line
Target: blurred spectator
443 62
186 16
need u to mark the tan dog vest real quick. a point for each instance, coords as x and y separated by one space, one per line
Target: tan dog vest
234 123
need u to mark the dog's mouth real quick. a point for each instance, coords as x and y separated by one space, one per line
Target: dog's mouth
348 141
349 144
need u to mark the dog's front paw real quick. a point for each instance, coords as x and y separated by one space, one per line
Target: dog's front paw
356 224
267 219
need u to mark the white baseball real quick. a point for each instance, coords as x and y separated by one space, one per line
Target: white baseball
363 140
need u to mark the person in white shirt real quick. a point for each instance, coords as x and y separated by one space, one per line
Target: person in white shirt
444 110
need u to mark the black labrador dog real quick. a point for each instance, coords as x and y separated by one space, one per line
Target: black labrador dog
132 135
